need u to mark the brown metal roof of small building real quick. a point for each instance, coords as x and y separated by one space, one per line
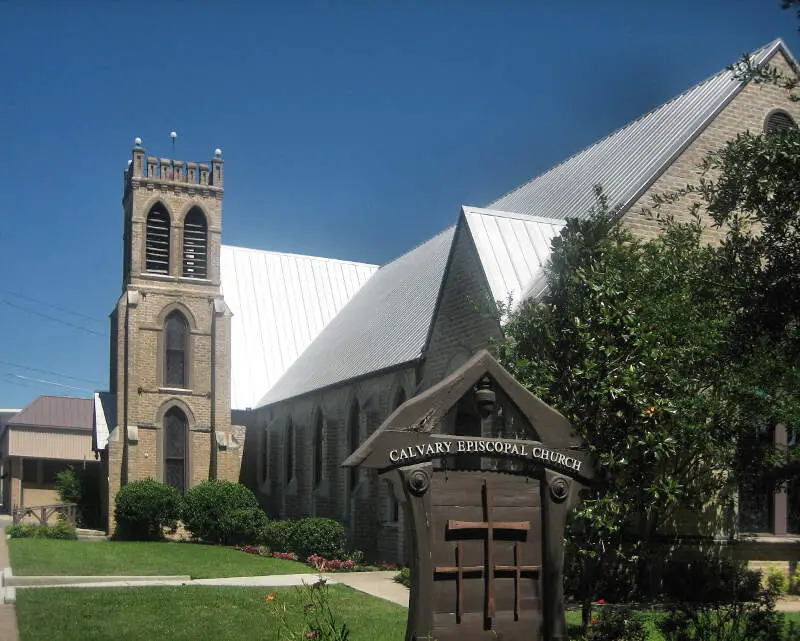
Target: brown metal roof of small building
56 411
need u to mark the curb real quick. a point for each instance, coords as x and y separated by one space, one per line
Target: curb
39 581
8 594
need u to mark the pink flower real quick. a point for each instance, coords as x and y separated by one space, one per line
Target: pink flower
601 602
310 635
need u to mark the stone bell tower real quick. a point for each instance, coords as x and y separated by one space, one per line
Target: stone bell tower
170 330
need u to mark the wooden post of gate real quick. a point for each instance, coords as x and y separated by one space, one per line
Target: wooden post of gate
485 513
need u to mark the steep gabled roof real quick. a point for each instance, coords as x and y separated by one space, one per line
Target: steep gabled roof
513 249
383 326
280 303
629 160
56 412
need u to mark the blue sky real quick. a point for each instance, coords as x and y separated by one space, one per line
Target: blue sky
349 129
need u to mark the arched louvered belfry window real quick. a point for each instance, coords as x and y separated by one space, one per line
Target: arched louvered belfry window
319 448
353 434
157 241
176 428
176 351
779 120
195 244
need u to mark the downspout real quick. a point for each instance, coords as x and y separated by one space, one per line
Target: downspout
212 470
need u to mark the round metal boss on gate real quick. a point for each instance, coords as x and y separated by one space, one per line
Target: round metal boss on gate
418 482
559 488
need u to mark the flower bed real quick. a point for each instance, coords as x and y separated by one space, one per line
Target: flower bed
319 562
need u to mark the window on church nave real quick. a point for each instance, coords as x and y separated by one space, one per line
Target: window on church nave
290 453
157 241
265 455
319 448
176 331
353 438
195 244
175 428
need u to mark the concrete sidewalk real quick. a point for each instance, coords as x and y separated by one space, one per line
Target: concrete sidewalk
272 581
378 584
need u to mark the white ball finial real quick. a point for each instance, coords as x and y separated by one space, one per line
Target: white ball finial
137 141
130 162
173 134
218 152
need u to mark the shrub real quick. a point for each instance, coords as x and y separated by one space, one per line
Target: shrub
63 530
278 536
321 537
776 581
619 623
737 621
709 579
403 577
794 582
144 508
223 512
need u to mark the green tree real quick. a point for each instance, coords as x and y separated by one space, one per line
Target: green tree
625 343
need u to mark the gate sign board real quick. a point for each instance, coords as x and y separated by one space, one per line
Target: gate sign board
485 512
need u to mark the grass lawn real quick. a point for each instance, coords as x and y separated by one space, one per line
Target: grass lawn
191 613
197 613
33 557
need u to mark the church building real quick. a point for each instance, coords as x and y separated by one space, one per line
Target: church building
272 368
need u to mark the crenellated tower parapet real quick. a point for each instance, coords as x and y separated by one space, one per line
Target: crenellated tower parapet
181 175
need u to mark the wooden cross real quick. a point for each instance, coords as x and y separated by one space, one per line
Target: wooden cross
488 570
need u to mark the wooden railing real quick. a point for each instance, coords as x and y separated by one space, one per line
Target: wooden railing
43 513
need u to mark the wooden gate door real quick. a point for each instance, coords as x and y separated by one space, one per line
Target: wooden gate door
486 539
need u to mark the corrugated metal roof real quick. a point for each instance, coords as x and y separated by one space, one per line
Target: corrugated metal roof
626 162
280 304
384 325
56 411
513 249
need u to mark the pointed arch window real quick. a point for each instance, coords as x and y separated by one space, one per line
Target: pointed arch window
319 448
265 455
195 244
394 504
176 428
157 241
353 434
290 454
176 343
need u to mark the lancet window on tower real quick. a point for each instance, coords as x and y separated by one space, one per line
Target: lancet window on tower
195 245
176 343
157 241
175 430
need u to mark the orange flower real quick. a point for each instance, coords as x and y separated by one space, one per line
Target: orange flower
271 597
